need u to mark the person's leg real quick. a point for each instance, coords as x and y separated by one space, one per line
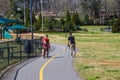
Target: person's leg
72 53
47 53
74 50
71 49
44 53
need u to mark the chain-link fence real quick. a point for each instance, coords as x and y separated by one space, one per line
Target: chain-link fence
15 51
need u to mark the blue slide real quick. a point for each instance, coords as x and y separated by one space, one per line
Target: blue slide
7 34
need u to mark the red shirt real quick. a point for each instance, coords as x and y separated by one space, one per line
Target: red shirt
46 43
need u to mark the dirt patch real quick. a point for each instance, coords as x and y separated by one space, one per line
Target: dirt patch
103 62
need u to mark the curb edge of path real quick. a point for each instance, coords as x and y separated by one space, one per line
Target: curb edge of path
10 67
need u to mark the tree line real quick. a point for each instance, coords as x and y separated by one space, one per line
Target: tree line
88 12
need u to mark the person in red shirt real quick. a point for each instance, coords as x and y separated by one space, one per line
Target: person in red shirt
46 46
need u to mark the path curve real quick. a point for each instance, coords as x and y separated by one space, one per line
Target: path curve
58 67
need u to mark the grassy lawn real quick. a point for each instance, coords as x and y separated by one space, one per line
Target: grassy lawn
98 56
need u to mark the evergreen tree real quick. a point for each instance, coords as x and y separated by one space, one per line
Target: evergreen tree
48 24
39 22
33 18
69 25
13 9
28 18
62 21
116 26
74 20
78 22
86 19
34 21
68 18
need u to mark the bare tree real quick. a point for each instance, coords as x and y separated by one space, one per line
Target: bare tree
4 6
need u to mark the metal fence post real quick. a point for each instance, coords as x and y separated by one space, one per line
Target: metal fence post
20 51
8 52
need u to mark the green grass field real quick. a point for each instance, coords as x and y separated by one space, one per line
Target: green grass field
98 56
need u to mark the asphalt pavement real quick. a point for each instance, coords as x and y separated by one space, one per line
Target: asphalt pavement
59 66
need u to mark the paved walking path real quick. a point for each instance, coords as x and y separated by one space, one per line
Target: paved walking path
58 67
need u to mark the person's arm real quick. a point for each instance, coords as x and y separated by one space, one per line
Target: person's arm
48 43
68 42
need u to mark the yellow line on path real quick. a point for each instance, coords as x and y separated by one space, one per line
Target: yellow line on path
44 65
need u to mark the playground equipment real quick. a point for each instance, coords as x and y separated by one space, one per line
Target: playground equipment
4 31
6 35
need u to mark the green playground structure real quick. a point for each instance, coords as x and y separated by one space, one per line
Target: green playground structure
7 35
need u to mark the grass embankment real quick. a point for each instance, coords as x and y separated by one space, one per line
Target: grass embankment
98 56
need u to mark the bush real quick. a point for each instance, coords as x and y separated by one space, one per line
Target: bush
84 30
116 26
